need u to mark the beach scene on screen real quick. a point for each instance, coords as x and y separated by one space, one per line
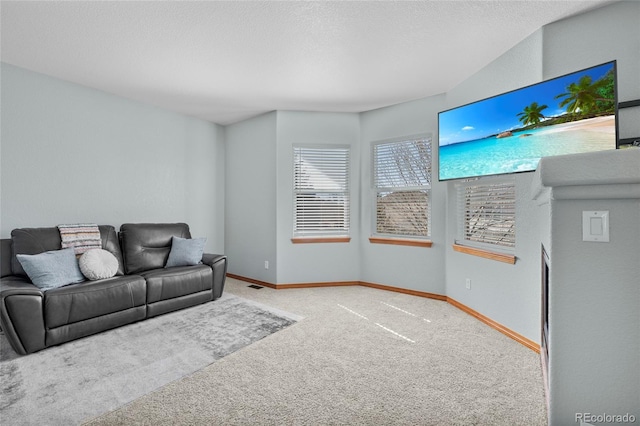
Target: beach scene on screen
509 133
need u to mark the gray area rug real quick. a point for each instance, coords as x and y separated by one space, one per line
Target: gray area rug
67 384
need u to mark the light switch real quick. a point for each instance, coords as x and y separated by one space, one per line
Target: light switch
595 226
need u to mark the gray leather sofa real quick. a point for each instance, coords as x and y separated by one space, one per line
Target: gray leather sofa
142 288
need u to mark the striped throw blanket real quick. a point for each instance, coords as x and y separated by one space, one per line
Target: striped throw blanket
81 236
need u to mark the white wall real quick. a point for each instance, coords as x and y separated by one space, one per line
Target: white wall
250 201
415 268
316 262
75 154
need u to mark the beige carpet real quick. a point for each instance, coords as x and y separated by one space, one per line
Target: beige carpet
360 356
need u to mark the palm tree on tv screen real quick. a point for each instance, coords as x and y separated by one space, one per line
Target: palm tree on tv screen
586 97
532 114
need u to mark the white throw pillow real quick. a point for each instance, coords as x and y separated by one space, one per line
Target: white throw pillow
97 264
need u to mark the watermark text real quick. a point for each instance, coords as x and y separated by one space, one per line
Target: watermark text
591 418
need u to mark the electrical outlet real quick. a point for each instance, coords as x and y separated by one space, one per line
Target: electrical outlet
266 264
468 283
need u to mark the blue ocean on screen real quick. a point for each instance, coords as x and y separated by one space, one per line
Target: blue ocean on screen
522 151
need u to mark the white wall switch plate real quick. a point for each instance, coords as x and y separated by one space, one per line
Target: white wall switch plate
595 226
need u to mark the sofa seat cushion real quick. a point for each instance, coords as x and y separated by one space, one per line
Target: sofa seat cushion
168 283
79 302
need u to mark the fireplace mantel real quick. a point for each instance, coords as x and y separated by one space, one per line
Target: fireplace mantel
594 175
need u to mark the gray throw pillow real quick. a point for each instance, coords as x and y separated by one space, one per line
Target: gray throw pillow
185 251
51 269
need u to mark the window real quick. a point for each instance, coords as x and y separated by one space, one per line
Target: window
402 180
487 214
321 187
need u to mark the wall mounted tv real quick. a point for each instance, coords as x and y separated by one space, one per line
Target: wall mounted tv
509 133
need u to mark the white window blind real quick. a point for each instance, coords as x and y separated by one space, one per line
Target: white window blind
402 179
321 186
487 214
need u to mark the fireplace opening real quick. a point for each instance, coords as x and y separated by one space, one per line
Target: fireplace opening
544 323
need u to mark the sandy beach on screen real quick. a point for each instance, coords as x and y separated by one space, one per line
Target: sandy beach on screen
597 124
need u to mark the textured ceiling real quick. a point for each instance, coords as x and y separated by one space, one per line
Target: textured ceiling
228 61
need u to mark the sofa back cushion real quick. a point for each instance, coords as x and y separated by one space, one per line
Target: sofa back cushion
5 257
146 246
39 240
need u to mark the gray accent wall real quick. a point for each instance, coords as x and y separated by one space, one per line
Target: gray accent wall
320 262
75 154
414 268
259 198
250 197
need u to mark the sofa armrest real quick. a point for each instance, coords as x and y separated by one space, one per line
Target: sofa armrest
218 263
21 314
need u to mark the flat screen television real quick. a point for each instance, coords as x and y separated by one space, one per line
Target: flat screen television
509 133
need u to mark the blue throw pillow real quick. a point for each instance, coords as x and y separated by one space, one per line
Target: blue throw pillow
185 251
51 269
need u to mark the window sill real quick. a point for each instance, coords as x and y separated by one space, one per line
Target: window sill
500 257
308 240
401 241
